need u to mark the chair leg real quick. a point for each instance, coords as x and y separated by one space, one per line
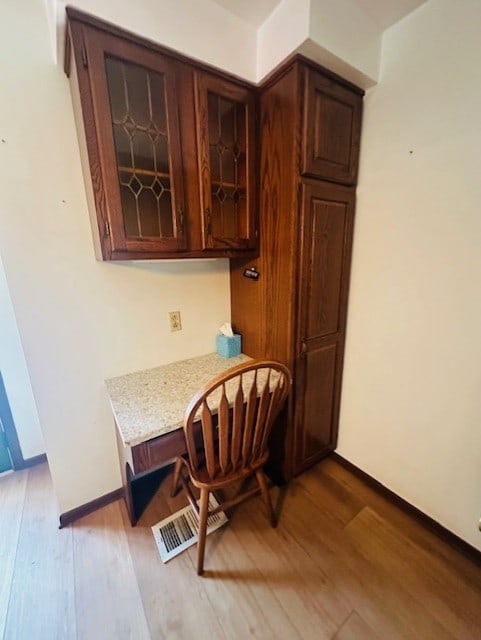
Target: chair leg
176 477
204 509
261 479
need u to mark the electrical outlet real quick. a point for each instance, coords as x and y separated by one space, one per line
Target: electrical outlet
175 322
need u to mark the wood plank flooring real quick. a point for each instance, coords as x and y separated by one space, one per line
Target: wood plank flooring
343 564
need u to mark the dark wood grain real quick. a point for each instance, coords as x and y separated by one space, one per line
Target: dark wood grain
157 451
331 129
328 217
325 256
90 40
88 143
245 304
316 388
263 311
245 236
270 310
98 46
296 311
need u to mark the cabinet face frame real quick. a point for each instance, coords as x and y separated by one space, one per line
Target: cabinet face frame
204 84
114 241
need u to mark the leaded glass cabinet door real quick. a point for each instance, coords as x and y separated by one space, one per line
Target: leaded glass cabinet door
226 147
136 121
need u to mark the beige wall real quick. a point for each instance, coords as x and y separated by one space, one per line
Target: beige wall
411 407
338 35
199 28
79 320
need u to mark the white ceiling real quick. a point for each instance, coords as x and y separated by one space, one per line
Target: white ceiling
383 12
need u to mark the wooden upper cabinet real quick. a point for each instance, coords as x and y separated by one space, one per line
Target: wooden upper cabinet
331 129
225 124
137 130
169 147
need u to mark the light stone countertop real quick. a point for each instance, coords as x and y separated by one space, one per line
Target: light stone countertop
152 402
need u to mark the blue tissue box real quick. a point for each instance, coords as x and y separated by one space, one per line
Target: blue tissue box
229 347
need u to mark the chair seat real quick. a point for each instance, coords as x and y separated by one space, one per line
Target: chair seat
201 478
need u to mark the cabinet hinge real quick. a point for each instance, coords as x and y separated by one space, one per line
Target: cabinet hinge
84 56
107 228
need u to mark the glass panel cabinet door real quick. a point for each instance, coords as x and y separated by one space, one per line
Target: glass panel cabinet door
136 121
225 138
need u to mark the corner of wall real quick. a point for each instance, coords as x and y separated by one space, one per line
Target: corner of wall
327 59
281 34
51 13
341 37
348 35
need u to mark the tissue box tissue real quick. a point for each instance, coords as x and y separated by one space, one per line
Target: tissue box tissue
227 346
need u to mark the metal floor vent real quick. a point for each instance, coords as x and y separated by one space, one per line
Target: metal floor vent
181 530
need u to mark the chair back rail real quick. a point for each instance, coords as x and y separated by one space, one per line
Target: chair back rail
236 411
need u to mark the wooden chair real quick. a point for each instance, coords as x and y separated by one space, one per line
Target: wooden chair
226 426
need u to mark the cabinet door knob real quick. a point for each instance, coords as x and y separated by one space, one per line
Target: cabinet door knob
303 348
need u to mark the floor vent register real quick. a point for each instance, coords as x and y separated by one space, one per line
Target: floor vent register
181 530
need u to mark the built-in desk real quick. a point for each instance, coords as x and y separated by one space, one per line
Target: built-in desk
149 409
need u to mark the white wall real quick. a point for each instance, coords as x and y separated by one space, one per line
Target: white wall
348 32
411 407
16 379
282 33
338 35
80 320
201 29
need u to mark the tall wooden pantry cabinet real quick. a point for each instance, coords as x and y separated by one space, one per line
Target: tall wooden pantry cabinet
295 311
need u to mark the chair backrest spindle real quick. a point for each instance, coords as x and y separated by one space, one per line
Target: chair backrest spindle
236 410
237 425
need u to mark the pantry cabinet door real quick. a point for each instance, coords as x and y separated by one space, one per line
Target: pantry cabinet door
326 239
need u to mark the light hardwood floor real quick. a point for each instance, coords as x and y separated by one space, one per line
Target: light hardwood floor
344 564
